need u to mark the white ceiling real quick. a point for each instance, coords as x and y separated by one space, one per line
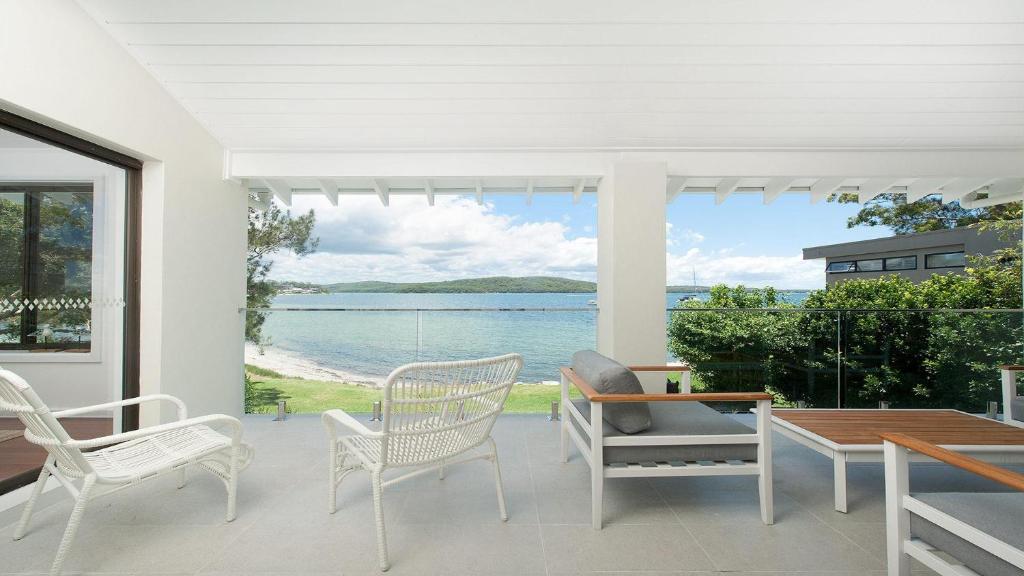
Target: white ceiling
593 74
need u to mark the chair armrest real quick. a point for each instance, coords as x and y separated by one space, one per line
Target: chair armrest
213 420
182 410
593 396
964 462
334 418
665 368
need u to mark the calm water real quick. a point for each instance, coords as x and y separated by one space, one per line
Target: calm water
373 343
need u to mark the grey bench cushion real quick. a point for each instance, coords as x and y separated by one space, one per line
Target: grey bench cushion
674 419
1017 408
607 376
998 514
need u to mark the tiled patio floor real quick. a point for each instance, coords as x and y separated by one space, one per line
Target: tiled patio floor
451 527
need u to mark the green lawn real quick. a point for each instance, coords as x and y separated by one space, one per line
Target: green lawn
313 396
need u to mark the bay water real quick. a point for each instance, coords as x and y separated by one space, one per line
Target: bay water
374 342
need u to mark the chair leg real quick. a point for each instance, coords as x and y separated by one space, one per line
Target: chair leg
440 472
497 482
73 522
332 478
378 509
26 514
232 485
182 478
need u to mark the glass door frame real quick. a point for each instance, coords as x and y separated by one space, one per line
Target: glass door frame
133 239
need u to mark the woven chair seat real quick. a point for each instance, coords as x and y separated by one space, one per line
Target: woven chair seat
142 457
364 448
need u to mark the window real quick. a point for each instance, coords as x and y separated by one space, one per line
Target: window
901 263
945 260
836 267
869 265
46 247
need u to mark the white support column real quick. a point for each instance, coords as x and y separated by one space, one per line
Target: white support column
631 266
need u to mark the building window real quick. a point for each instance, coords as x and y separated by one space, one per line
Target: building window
836 267
46 266
869 265
945 260
901 263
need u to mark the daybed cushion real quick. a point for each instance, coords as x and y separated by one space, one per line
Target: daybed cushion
998 514
676 418
1017 408
607 376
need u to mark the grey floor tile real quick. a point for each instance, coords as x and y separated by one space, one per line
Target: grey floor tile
577 549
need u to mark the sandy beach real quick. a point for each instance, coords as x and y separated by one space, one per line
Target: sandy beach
296 366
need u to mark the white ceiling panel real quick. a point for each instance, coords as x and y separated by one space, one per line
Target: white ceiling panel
598 74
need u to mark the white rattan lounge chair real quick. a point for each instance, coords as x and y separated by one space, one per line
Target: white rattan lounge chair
434 415
121 460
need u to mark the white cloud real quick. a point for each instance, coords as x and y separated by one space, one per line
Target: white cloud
722 266
411 242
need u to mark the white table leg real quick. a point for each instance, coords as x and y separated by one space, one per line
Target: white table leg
839 478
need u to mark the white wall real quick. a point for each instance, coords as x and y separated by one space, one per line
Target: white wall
59 66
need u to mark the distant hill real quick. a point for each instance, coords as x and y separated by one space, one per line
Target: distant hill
498 284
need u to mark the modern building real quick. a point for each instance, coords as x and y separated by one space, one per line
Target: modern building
914 256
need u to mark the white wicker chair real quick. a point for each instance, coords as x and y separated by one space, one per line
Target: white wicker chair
434 415
121 460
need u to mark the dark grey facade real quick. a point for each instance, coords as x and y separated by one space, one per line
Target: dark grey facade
914 256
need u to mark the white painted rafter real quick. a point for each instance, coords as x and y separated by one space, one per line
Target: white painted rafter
775 187
923 187
724 188
873 187
825 187
383 192
577 191
674 188
281 190
330 190
961 187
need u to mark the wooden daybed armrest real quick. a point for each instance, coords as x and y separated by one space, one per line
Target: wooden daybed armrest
1012 367
964 462
593 396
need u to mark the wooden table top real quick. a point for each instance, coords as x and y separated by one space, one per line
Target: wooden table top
942 427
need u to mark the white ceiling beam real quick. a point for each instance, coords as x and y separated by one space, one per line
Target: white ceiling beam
428 187
1006 187
724 188
329 188
529 192
775 187
383 192
961 187
577 191
281 190
674 188
923 187
871 188
480 192
825 187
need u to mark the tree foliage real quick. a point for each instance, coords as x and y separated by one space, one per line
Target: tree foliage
271 231
861 341
925 215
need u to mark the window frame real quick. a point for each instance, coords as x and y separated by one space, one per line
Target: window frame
885 263
852 263
962 252
879 260
96 255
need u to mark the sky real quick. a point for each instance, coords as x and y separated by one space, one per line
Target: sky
741 241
